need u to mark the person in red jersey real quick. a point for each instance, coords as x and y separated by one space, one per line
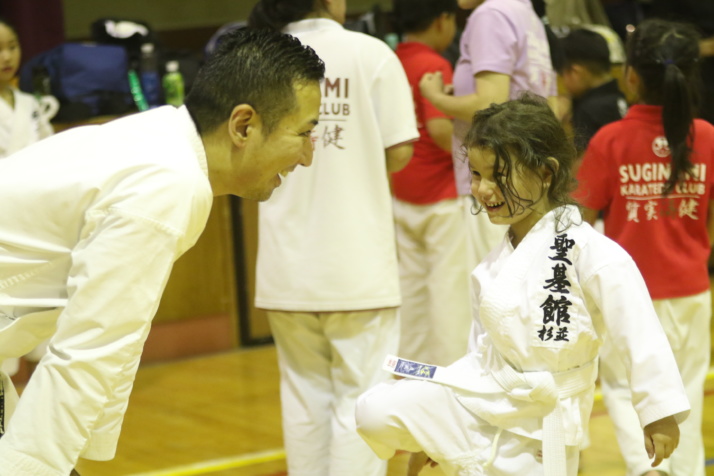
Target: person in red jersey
651 175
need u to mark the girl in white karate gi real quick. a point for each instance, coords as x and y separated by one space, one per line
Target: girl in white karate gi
519 402
23 121
652 174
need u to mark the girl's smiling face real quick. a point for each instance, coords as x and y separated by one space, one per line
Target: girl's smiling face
513 195
9 54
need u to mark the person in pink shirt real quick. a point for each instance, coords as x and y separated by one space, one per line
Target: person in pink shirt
430 228
504 51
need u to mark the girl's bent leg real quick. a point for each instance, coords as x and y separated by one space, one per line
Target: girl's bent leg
414 416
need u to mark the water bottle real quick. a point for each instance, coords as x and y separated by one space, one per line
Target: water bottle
173 84
149 73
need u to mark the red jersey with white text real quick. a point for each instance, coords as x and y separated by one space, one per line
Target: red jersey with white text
624 172
429 176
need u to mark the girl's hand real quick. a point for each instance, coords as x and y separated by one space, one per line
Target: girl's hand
661 439
431 85
417 461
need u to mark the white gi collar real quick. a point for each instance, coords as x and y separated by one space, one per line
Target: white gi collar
194 138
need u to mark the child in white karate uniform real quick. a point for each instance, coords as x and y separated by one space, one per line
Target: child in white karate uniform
519 402
23 120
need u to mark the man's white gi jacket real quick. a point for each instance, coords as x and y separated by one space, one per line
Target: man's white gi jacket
92 221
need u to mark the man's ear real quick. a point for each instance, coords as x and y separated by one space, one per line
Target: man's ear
242 122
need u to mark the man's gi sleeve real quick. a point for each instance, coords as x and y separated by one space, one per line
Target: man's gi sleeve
120 267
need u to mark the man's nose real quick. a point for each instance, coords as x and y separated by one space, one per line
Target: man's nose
307 157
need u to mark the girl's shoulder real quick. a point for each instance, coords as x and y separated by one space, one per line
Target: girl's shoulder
703 127
23 94
596 252
703 139
24 99
586 241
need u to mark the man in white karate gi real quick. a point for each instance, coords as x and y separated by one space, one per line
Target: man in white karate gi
94 218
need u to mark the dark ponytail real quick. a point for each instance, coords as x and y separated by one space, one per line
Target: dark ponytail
276 14
665 54
677 118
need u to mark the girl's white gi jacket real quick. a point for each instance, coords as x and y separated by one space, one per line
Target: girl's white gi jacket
541 311
21 125
92 221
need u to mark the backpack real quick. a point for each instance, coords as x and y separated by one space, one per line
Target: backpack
87 79
132 34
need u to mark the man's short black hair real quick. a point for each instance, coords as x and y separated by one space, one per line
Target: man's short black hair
588 49
413 16
255 67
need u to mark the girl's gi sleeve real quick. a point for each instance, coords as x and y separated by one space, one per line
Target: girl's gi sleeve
617 288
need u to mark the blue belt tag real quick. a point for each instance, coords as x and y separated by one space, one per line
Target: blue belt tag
409 368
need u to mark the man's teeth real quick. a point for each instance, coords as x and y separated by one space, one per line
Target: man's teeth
495 205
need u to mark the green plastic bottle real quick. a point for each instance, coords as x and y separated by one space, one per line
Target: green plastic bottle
173 84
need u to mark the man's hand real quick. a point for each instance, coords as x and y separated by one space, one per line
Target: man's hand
417 461
661 438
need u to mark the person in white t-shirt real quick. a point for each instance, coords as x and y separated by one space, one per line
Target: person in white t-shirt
327 264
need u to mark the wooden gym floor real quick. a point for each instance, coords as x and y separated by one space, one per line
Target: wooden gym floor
219 415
